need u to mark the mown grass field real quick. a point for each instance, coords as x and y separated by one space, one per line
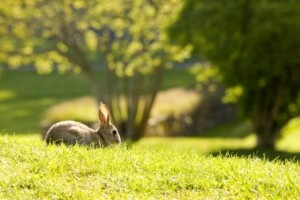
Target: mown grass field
219 164
31 170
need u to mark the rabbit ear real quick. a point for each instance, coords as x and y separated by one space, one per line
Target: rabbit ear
103 114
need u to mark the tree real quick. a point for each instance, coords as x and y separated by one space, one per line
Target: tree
127 37
256 46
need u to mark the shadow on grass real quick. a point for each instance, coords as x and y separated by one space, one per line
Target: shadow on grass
270 155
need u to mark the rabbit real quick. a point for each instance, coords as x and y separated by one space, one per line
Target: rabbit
72 132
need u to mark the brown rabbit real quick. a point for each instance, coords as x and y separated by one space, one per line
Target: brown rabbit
72 132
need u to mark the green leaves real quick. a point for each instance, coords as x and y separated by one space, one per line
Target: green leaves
130 33
256 47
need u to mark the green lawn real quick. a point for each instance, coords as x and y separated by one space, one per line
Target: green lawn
25 96
31 170
218 164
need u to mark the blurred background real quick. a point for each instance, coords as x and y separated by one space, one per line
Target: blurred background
212 75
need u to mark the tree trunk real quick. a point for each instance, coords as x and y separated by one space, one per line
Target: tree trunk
267 105
267 133
155 84
266 141
138 99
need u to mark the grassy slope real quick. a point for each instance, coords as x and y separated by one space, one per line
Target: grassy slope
31 170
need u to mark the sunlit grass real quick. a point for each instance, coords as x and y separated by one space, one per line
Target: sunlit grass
202 145
80 109
292 126
32 170
289 143
290 138
7 95
30 95
175 102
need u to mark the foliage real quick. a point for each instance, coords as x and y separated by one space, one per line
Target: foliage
32 170
207 77
64 34
128 37
256 47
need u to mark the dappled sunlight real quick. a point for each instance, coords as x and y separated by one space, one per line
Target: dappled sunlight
23 117
175 101
50 90
168 110
82 109
290 136
292 127
6 95
290 142
244 147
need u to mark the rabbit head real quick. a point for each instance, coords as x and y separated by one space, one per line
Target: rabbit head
108 132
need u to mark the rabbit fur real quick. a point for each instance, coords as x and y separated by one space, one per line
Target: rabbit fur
72 132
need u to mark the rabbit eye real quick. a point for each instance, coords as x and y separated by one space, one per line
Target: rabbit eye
114 132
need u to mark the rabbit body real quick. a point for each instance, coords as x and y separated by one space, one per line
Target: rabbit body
72 132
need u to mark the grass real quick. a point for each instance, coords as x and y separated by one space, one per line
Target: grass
25 96
218 164
31 170
82 109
